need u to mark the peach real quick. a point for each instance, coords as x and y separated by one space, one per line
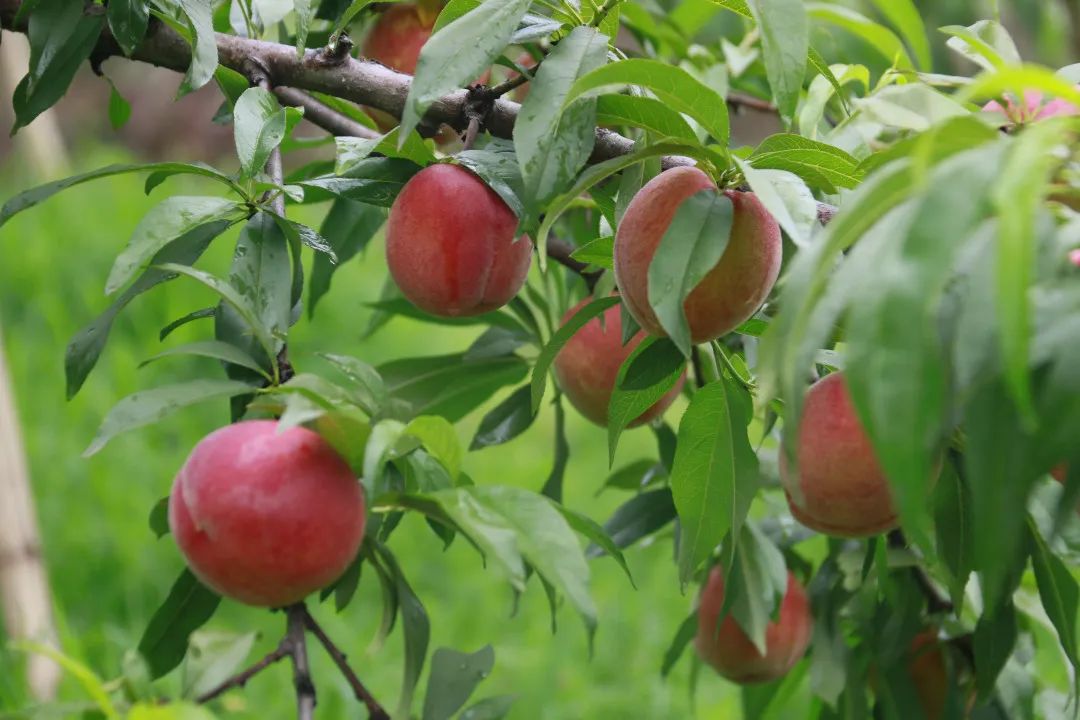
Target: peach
450 244
732 290
1074 257
264 517
588 365
729 650
929 674
840 488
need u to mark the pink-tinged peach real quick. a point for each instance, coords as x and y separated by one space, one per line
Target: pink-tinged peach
588 365
397 36
840 488
450 244
1074 257
264 517
729 650
732 290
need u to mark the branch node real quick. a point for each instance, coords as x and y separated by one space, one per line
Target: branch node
337 52
258 74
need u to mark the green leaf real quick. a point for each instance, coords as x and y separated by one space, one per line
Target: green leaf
906 18
755 584
675 87
736 6
85 347
644 377
300 234
785 41
258 127
993 642
879 37
492 708
914 106
558 340
347 228
496 342
61 37
506 420
819 164
204 55
305 14
30 198
553 486
683 636
1058 591
150 406
448 385
159 518
691 246
119 108
165 223
553 137
635 476
986 43
212 349
351 150
458 53
952 523
598 252
1018 196
892 332
638 517
200 314
453 678
211 659
787 198
261 279
90 683
368 386
595 534
715 476
375 181
500 171
417 626
439 438
512 526
128 20
187 608
643 112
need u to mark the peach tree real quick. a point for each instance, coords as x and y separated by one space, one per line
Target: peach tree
871 316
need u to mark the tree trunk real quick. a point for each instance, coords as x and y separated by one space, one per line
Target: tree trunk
24 587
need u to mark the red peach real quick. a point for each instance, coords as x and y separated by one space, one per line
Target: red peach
732 290
397 36
450 244
929 674
264 517
840 488
588 365
730 651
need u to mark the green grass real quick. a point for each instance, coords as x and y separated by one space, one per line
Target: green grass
109 573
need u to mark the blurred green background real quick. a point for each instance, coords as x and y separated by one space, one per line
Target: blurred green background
109 574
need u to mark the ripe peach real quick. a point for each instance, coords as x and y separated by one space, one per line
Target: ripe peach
729 650
929 674
732 290
588 365
264 517
840 488
450 244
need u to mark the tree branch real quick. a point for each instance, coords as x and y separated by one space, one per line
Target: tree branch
741 100
375 710
560 251
297 641
936 602
318 113
361 81
240 679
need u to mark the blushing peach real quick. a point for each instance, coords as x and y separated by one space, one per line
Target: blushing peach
840 488
730 651
264 517
588 365
732 290
450 244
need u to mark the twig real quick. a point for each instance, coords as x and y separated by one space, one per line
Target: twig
936 602
513 83
470 133
240 679
305 689
741 100
375 710
323 115
560 251
364 82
